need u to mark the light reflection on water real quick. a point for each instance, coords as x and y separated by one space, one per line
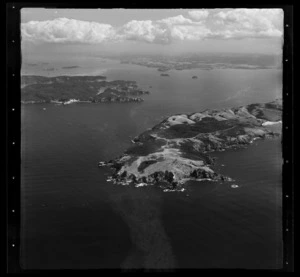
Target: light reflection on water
141 209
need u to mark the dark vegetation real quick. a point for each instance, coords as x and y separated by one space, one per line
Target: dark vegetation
33 79
206 125
163 177
145 164
189 152
234 131
269 111
274 106
146 148
271 115
83 88
199 173
252 107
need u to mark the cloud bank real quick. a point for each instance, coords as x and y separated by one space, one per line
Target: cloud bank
198 15
196 25
66 30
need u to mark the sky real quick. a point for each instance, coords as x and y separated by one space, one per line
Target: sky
165 31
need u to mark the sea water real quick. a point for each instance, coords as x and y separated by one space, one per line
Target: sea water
73 218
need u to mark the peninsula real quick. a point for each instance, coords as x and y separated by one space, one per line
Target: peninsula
178 148
71 89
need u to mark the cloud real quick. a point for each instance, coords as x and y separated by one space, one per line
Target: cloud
146 31
179 19
241 23
201 24
62 30
190 32
198 15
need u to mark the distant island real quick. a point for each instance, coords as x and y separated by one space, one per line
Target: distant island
72 89
35 64
194 77
70 67
178 149
165 75
205 61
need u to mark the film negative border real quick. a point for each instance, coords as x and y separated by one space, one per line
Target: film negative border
13 126
13 160
288 143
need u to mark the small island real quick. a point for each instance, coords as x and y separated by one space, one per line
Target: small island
195 77
165 75
178 149
72 89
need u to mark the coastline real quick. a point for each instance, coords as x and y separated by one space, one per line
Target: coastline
69 102
179 148
75 89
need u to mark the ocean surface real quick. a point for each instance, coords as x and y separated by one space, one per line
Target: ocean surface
72 218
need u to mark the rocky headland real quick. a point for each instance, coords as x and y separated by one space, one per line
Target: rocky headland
178 149
71 89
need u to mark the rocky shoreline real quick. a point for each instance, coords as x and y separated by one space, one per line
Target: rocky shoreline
178 149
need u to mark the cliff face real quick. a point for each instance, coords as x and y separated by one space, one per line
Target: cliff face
177 149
